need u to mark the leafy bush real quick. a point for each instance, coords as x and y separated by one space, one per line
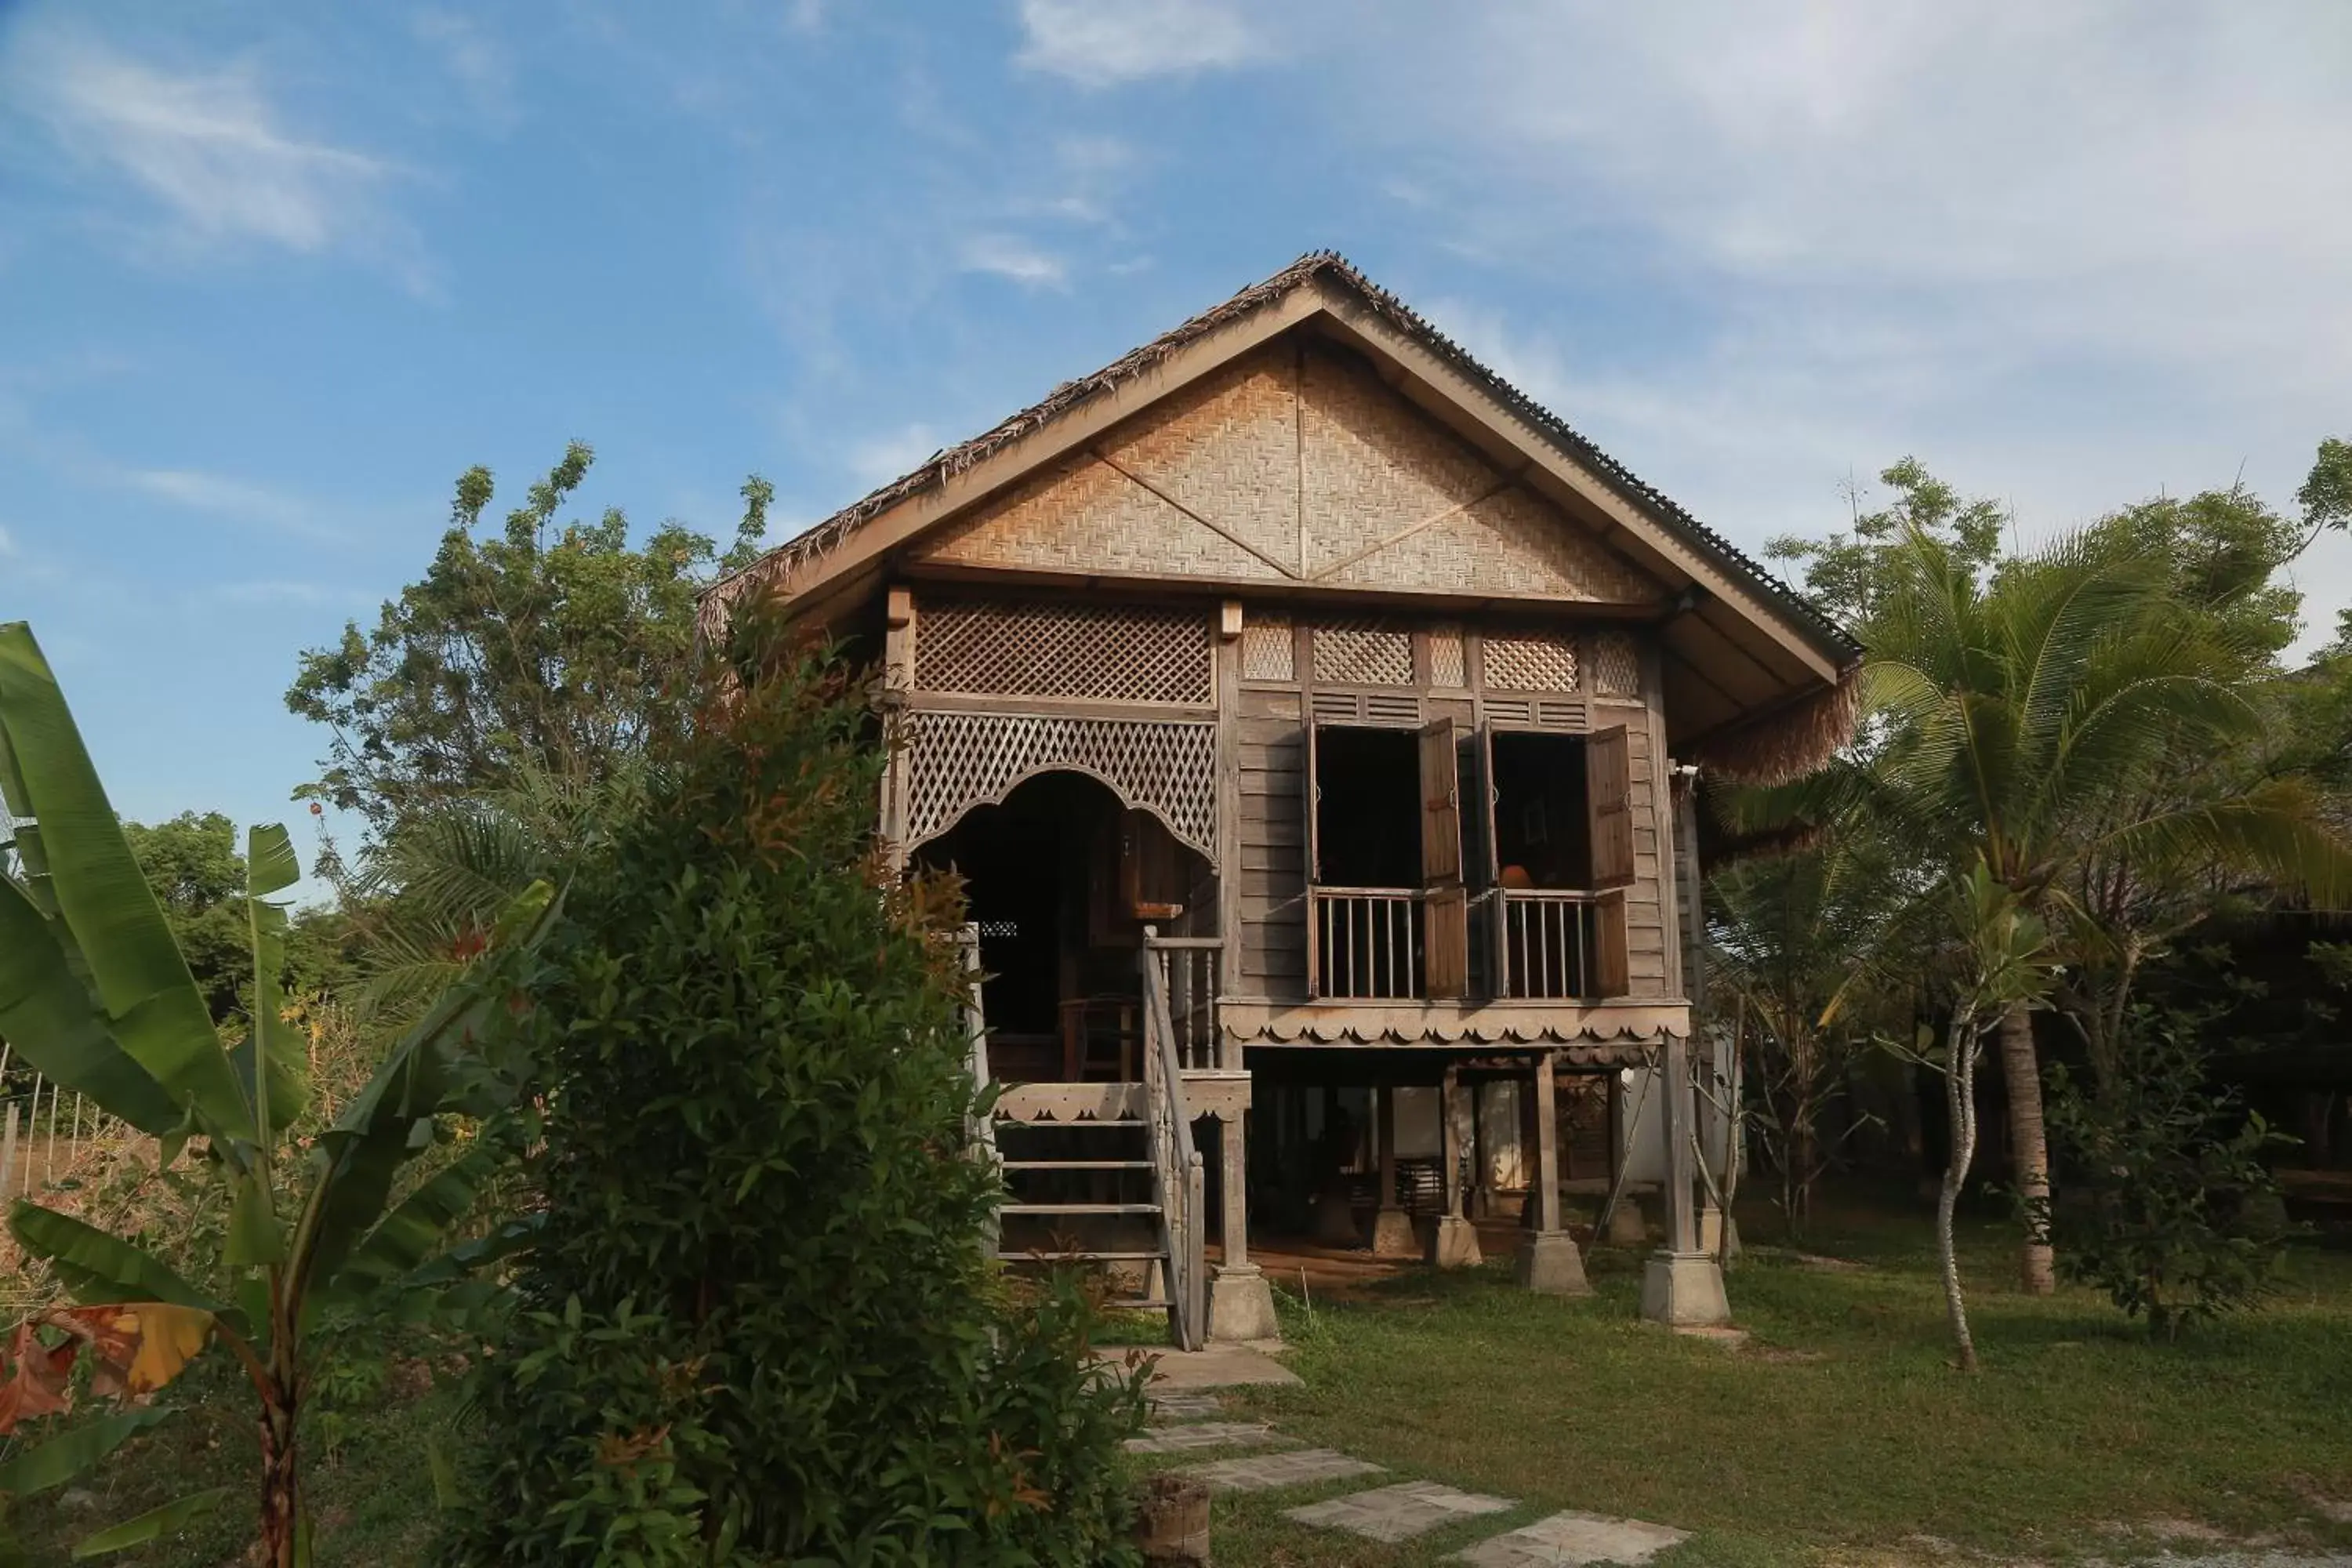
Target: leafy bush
760 1322
2173 1214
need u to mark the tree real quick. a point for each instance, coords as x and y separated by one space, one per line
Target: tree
2035 722
760 1322
95 994
192 865
558 646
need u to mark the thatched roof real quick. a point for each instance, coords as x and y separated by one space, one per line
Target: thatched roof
1779 736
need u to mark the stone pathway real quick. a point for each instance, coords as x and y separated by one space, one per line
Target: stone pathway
1399 1512
1184 1422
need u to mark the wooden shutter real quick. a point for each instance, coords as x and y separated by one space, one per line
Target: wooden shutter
1609 796
1445 912
1310 793
1612 975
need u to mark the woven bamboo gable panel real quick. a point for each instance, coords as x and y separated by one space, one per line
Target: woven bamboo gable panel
1296 464
1060 649
1616 665
957 760
1363 653
1530 662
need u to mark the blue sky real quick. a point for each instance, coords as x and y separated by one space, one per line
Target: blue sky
271 276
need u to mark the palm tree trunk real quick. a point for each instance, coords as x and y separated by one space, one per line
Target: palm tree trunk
1960 1099
2029 1143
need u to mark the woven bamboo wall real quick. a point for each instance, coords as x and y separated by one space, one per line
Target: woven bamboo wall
1296 465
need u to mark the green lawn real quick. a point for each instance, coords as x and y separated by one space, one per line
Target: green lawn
1840 1433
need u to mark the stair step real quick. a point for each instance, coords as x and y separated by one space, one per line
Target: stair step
1078 1255
1079 1208
1137 1304
1076 1164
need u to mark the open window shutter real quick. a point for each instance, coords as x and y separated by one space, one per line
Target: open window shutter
1311 795
1612 975
1445 915
1609 793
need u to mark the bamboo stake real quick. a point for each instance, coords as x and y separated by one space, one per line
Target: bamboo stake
8 1150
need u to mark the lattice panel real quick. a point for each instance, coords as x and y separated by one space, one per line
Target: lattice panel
1616 666
1363 653
1539 662
1064 650
1445 657
957 760
1269 650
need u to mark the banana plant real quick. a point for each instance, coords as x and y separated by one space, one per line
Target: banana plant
95 994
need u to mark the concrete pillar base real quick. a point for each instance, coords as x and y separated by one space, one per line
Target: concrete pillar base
1240 1305
1626 1227
1683 1291
1392 1235
1453 1243
1334 1222
1549 1265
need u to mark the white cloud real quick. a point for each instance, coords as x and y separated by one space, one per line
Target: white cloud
278 591
878 459
208 145
1098 43
473 57
1006 257
7 544
223 496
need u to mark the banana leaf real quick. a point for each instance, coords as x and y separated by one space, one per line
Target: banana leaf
45 1013
168 1519
74 1450
117 927
99 1268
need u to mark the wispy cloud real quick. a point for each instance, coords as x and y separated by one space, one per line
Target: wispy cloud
7 543
223 496
281 592
208 146
878 459
1100 42
1007 257
477 62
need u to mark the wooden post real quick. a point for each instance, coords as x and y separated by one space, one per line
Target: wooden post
1232 1176
1385 1129
1454 1240
1391 1226
1682 1223
1546 1145
8 1153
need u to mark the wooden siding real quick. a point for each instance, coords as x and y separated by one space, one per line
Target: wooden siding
1271 760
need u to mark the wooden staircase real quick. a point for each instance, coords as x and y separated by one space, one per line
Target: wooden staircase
1105 1176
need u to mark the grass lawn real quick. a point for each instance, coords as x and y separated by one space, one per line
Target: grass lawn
1840 1434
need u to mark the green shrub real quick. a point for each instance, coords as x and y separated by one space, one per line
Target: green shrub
2172 1211
762 1322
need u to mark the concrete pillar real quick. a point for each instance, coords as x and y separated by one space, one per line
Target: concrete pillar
1391 1226
1335 1214
1452 1240
1549 1261
1241 1304
1682 1286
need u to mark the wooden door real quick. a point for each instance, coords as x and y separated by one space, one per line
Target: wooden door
1445 915
1609 796
1311 795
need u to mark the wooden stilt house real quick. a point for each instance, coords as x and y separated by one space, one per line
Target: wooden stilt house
1307 706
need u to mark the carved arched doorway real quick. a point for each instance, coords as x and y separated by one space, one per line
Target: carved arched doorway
1062 878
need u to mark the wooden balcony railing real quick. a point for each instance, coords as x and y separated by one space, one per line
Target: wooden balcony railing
1188 976
1548 943
1368 942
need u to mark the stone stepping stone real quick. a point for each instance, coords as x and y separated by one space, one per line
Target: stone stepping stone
1570 1539
1186 1406
1262 1472
1202 1435
1399 1512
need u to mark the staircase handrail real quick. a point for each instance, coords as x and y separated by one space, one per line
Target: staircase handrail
1178 1163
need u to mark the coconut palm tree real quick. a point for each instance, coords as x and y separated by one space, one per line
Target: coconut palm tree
2047 719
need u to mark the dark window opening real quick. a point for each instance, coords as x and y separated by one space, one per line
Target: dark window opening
1543 830
1367 809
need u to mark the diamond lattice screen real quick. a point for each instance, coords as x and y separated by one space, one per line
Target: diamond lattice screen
1064 650
1269 651
957 760
1616 667
1363 653
1541 662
